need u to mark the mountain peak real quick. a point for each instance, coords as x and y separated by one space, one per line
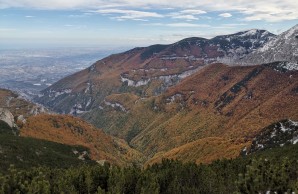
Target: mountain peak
256 33
191 39
283 47
253 32
296 26
291 32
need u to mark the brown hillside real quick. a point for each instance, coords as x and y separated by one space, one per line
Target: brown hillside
104 77
146 71
222 101
203 150
74 131
218 101
249 98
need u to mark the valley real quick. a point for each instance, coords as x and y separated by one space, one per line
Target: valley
166 99
195 104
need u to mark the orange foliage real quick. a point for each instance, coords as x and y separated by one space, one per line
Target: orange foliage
201 110
74 131
203 150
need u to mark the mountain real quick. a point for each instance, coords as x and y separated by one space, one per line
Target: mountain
174 99
146 71
237 46
283 47
228 103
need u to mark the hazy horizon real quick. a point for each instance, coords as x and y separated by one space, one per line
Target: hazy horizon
98 23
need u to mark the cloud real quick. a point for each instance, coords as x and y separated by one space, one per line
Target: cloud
269 13
178 25
193 11
138 19
29 16
271 17
129 14
188 14
225 15
229 26
123 18
234 25
79 15
186 17
186 25
266 10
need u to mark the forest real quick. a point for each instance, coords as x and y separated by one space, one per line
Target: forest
274 170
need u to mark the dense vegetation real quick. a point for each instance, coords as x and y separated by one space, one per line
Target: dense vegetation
26 152
274 170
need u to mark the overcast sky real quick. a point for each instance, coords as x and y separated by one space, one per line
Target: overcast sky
51 23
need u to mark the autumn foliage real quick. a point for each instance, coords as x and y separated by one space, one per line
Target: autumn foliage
74 131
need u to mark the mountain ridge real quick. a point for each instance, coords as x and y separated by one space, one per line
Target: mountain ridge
146 71
161 97
277 49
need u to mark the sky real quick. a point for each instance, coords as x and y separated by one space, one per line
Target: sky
129 23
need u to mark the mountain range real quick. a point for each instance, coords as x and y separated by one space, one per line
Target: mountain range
194 100
147 71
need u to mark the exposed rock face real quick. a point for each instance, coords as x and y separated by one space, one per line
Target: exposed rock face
18 106
237 46
21 119
283 47
7 117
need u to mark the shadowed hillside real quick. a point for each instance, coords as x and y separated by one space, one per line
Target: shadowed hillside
74 131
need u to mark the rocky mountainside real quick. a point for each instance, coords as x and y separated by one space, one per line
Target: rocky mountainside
147 71
241 44
7 117
19 107
283 47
